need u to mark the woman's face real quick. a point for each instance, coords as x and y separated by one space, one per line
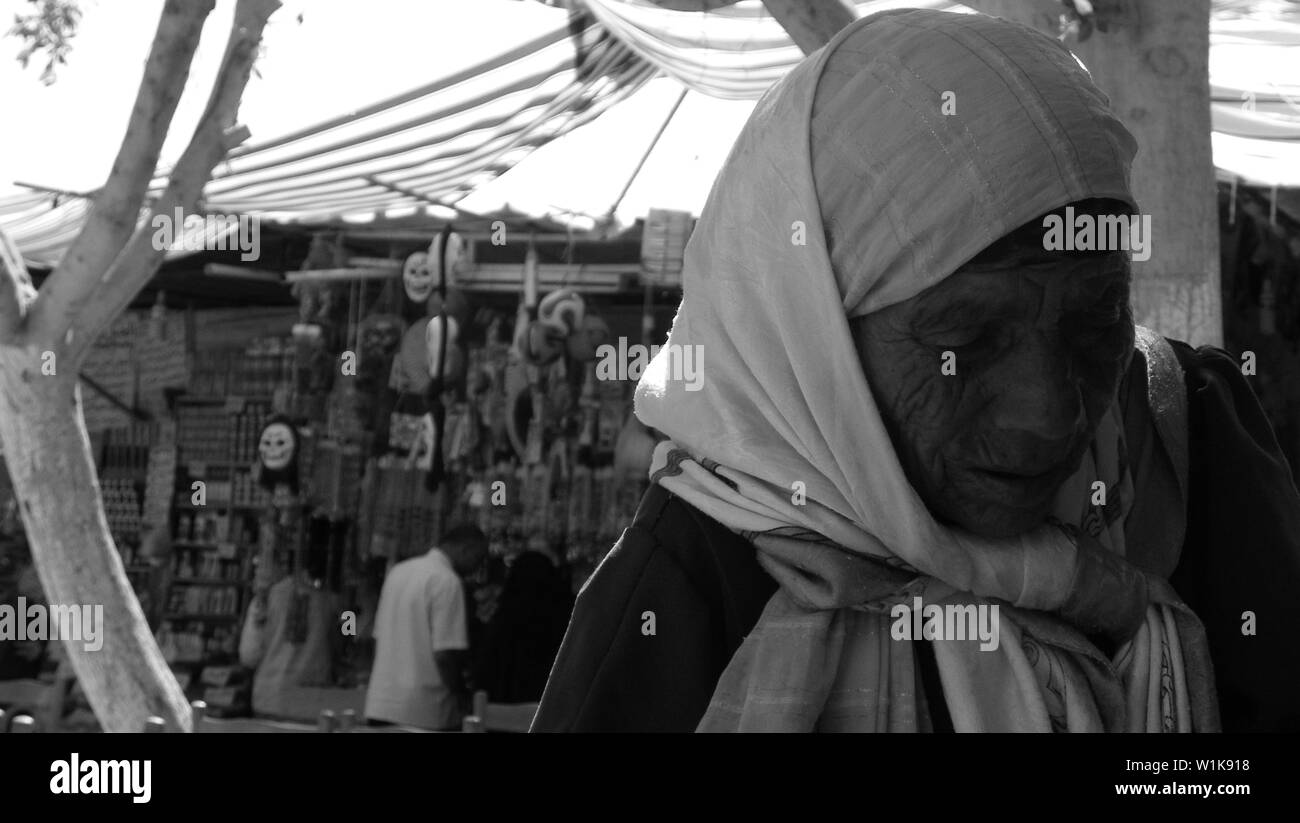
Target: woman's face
1038 345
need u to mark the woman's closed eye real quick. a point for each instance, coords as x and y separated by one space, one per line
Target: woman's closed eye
1105 316
1109 310
1102 333
957 337
976 342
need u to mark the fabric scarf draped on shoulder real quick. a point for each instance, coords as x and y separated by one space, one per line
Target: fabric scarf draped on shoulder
850 190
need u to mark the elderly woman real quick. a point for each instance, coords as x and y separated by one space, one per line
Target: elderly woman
909 401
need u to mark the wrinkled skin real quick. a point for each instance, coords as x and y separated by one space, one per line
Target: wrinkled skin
1041 342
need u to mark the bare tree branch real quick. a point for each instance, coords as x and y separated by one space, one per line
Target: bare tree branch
811 23
215 135
16 290
117 206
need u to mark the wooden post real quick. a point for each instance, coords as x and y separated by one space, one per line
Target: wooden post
1153 64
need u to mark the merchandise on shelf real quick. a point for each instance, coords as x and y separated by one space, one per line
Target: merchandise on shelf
124 462
257 369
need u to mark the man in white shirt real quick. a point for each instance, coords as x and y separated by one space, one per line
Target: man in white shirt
421 640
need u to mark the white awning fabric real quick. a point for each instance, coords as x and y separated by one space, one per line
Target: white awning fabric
437 143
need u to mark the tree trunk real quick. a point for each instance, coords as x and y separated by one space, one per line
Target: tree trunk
811 23
1153 63
42 430
48 453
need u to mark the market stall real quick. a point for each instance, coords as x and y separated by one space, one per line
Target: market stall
427 374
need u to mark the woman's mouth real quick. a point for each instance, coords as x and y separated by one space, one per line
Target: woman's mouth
1021 487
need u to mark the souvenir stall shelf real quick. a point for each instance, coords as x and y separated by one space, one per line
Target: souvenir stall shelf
218 514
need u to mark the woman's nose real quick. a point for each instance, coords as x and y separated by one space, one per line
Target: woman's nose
1038 391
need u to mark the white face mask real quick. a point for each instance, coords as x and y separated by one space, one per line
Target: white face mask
276 446
417 277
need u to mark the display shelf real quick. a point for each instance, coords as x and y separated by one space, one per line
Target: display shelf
205 581
200 544
231 400
216 443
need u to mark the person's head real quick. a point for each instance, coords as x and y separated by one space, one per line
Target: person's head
465 546
881 323
1034 343
991 350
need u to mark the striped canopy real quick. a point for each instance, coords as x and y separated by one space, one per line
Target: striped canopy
435 144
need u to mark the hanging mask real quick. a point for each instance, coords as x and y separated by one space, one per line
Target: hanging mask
454 361
452 257
417 277
380 336
277 451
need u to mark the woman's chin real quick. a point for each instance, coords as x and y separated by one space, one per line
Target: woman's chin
993 519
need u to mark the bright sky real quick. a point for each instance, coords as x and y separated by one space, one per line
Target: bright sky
343 55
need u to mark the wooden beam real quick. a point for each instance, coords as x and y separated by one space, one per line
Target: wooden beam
405 192
338 275
88 195
241 272
423 198
138 414
811 23
376 263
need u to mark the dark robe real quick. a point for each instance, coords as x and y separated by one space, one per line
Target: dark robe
524 634
704 587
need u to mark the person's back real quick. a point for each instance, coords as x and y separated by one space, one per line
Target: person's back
421 612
